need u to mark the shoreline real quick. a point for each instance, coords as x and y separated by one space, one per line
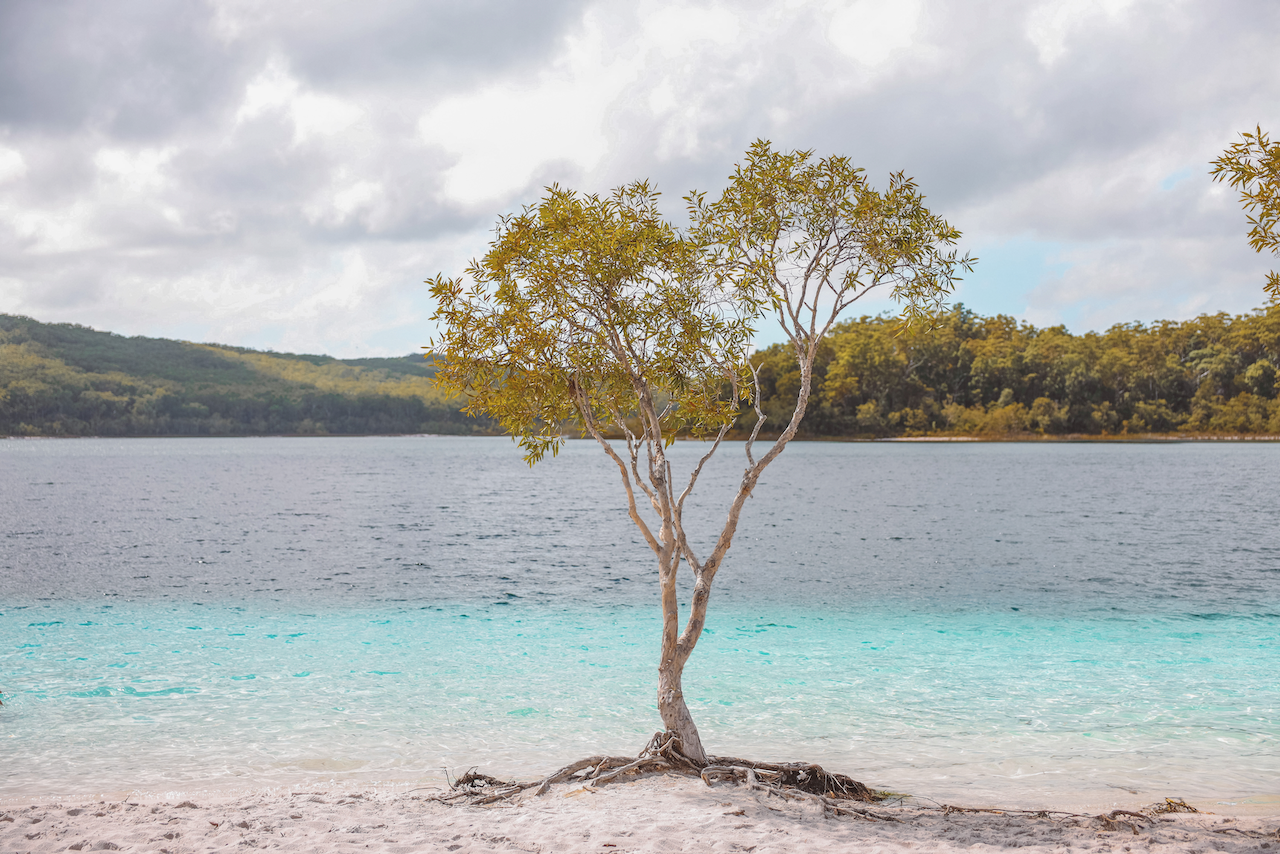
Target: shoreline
655 813
1126 438
1083 798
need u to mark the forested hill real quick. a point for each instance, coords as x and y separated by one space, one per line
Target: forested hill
69 380
975 376
993 376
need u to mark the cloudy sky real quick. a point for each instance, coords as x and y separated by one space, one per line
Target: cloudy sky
285 174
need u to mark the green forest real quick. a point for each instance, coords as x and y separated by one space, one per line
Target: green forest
979 376
69 380
996 377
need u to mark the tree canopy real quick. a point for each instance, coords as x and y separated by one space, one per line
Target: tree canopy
592 309
812 237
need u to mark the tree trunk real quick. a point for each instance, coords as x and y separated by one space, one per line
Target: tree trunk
675 714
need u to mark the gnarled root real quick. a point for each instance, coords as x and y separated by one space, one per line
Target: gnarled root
795 780
801 776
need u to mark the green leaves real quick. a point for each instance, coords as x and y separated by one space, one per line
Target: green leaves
591 309
595 311
811 237
1253 167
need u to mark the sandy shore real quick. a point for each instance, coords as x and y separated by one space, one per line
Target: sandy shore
654 814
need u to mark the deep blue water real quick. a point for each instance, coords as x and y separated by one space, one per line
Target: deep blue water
1012 622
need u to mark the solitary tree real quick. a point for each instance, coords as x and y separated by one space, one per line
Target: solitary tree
594 311
1252 166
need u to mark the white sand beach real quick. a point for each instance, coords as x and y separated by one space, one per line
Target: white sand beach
659 813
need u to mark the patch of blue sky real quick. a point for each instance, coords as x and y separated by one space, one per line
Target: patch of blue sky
1007 273
1001 282
1173 179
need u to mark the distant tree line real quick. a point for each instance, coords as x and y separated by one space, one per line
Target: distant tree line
994 376
972 376
68 380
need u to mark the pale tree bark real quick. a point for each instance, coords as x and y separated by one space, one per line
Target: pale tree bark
646 469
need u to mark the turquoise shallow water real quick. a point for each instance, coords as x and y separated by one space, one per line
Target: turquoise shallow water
1012 624
958 706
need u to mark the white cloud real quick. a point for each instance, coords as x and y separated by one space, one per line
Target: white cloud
1053 23
272 89
1143 279
138 172
1127 194
312 114
12 164
677 28
693 61
502 134
68 229
318 162
870 31
339 205
321 115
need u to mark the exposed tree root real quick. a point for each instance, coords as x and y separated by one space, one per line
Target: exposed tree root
836 794
792 780
1114 820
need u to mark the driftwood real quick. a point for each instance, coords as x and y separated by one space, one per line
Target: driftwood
793 780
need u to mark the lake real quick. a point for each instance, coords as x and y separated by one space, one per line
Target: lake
1025 624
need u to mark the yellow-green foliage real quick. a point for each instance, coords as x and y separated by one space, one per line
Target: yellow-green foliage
993 376
1252 166
338 377
591 308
